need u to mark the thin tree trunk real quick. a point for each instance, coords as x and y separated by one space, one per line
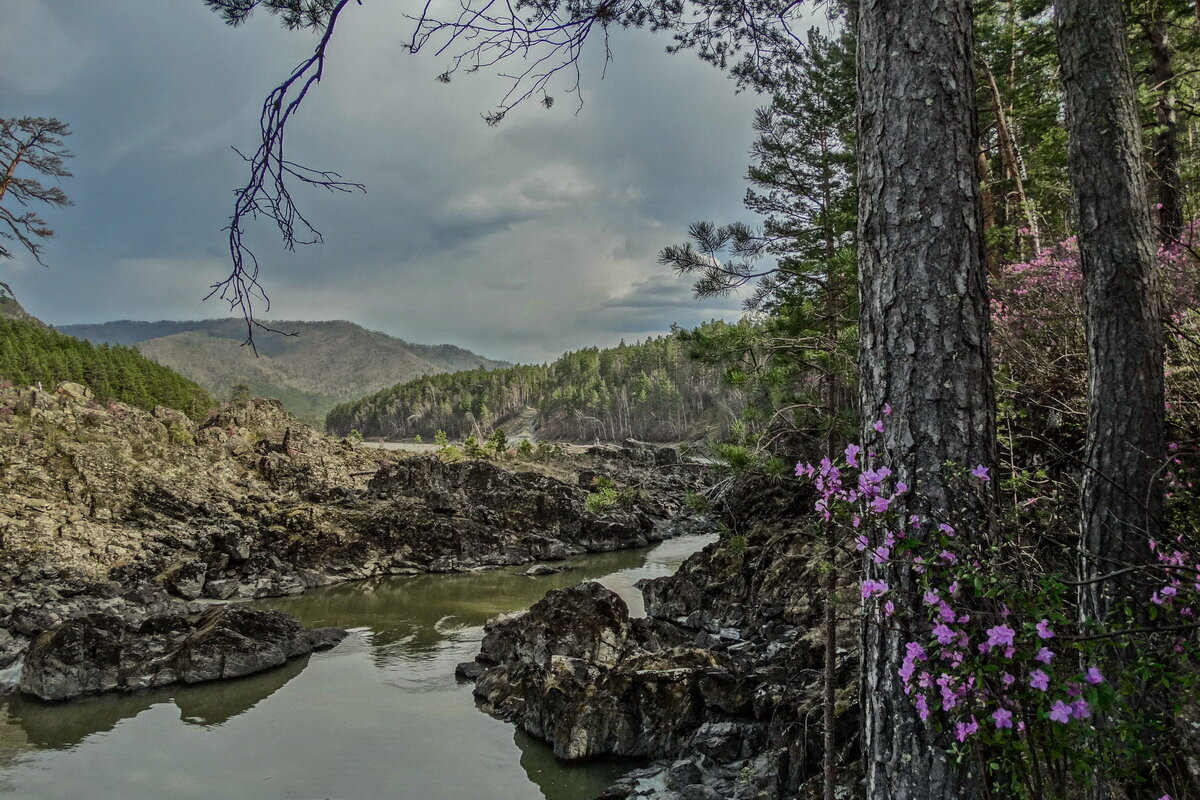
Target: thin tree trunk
1121 499
833 396
1009 157
924 333
829 754
989 215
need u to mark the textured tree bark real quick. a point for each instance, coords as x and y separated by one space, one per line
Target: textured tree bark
1121 497
924 329
1166 140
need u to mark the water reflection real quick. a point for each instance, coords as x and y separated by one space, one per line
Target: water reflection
59 726
381 715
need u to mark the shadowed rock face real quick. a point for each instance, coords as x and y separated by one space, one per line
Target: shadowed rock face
578 672
103 653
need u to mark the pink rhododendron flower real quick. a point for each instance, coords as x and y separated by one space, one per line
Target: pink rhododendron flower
1060 712
870 588
852 451
943 633
1039 680
1080 709
964 729
1003 718
1043 630
1094 676
877 425
981 472
1045 655
1000 635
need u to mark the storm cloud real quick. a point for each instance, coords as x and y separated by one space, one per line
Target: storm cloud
518 242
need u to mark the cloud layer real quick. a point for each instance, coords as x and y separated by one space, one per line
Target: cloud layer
518 242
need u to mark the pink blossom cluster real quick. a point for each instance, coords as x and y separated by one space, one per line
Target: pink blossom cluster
968 658
1181 591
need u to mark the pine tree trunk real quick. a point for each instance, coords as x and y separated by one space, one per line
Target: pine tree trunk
1166 140
1121 497
924 329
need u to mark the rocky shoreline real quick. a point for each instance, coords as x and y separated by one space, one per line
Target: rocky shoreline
721 683
131 525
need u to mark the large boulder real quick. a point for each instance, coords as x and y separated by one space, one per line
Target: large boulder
585 622
102 652
577 671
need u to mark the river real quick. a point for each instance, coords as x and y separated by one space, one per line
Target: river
379 716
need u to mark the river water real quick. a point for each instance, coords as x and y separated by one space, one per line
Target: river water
379 716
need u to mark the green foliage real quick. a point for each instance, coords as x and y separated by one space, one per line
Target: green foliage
796 367
417 439
546 451
525 450
734 458
609 496
696 502
472 447
31 353
182 437
497 443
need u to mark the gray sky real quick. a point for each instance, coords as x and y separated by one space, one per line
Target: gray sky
518 242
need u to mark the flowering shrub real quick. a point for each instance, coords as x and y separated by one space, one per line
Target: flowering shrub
1041 353
994 657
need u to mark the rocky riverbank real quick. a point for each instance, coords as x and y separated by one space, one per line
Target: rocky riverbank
722 682
123 516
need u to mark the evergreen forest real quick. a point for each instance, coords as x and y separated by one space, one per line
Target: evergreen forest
31 353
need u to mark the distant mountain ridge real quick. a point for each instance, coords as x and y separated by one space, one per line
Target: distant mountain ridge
325 364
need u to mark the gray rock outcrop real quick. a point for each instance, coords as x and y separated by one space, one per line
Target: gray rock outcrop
104 653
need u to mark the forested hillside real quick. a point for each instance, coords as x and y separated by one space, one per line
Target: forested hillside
653 390
325 363
32 353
